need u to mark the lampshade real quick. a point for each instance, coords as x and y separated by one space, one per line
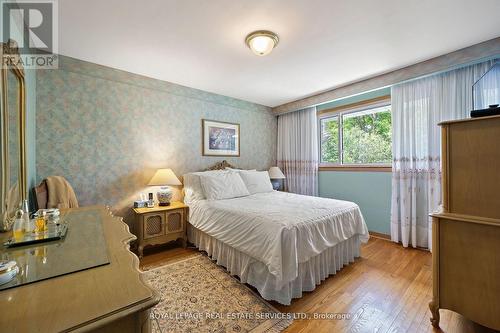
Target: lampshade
164 177
275 173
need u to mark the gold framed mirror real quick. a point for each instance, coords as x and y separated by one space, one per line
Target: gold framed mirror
13 189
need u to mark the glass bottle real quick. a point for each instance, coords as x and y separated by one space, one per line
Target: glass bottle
41 222
26 217
25 206
18 228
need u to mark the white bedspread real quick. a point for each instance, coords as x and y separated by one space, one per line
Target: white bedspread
279 229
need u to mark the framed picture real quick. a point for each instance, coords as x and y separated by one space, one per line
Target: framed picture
220 138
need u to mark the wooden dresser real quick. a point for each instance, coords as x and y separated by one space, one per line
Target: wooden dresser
108 298
466 234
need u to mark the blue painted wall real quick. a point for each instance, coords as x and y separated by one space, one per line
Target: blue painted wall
370 190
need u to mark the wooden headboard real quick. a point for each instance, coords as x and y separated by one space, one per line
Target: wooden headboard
221 166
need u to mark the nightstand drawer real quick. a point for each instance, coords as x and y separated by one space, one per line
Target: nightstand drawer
153 225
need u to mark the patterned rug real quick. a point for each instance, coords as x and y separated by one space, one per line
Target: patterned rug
199 296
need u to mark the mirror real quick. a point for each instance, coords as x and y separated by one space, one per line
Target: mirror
13 150
13 189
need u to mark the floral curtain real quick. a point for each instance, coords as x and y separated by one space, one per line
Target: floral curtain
417 108
298 151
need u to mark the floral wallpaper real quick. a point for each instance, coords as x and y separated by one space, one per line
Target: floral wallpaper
107 131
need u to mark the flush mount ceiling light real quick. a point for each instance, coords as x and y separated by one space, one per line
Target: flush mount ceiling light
262 42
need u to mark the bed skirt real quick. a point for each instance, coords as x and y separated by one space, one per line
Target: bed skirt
256 274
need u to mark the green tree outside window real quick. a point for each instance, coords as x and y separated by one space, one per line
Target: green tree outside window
366 137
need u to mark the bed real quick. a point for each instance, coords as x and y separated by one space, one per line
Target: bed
280 243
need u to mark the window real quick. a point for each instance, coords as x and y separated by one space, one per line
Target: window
330 139
355 137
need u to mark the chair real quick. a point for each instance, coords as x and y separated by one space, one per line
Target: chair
41 193
55 192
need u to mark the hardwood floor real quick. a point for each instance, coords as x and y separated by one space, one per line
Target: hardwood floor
386 290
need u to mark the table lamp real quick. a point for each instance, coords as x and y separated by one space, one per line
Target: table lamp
164 177
276 175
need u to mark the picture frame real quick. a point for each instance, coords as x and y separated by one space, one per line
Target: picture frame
220 138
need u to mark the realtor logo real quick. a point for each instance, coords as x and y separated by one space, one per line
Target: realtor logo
33 26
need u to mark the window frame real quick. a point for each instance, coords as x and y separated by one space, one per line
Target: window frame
340 112
320 118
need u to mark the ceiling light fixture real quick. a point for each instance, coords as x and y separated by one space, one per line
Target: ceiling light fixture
262 42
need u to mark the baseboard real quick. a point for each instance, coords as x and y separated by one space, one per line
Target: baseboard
380 235
388 238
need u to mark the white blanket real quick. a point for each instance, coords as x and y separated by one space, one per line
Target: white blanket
279 229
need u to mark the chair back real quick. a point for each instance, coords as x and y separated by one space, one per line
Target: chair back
42 195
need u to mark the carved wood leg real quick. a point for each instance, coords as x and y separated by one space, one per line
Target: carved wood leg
140 251
435 314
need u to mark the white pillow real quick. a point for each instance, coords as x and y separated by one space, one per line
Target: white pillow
225 185
237 170
256 181
192 186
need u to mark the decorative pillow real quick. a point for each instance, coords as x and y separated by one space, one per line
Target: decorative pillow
256 181
224 185
192 186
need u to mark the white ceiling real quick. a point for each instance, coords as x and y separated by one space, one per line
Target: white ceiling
323 43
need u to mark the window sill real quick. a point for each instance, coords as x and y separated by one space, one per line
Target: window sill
360 168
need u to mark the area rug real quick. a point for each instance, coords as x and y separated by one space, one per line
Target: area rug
199 296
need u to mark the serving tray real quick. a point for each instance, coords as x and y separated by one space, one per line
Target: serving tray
54 232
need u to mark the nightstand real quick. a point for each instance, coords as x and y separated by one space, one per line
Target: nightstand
161 224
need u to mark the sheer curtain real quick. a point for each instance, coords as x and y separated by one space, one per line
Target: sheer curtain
298 151
417 107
